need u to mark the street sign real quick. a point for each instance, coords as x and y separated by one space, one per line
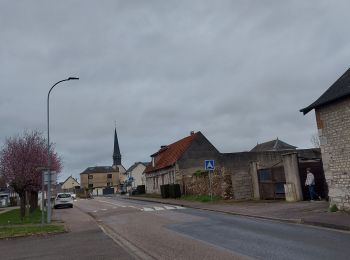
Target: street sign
209 165
53 177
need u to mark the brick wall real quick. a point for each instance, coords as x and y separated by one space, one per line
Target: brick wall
333 122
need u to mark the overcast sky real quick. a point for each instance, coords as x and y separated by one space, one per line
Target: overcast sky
238 71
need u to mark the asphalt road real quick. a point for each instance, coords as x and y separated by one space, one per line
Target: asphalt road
167 232
117 228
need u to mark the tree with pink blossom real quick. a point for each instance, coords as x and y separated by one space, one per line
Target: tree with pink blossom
20 159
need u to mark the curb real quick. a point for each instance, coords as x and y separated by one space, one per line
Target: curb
292 221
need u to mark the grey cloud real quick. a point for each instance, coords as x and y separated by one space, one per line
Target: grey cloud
238 71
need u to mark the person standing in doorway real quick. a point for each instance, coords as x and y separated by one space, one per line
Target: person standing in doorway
310 182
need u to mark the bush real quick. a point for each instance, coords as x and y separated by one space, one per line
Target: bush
333 208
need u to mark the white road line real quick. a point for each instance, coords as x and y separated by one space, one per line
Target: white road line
158 208
104 209
95 211
147 209
132 207
179 207
169 207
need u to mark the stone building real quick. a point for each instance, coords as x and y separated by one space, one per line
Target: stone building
332 111
260 174
96 179
183 157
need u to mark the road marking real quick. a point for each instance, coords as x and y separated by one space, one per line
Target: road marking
168 207
147 209
103 209
179 207
95 211
158 208
114 204
132 207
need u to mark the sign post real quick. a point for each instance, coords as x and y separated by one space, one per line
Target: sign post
209 165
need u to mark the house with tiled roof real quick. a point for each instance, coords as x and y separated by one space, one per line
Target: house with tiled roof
332 111
172 162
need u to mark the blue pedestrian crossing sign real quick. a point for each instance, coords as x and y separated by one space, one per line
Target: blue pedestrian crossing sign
209 165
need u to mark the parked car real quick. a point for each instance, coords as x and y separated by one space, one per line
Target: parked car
74 196
63 200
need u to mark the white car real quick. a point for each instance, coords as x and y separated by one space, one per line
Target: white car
74 196
63 200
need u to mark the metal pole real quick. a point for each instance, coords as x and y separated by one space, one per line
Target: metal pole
42 196
210 186
48 151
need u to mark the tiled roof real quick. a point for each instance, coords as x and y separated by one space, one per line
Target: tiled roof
169 154
339 89
274 145
98 169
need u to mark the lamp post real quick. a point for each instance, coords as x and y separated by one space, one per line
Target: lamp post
48 150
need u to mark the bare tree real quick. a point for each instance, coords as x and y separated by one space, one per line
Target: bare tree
19 160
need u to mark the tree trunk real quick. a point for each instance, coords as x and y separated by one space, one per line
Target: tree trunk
22 197
33 200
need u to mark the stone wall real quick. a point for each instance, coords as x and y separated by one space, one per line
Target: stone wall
199 184
333 122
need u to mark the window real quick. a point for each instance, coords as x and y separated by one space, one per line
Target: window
109 184
91 176
91 185
109 175
63 195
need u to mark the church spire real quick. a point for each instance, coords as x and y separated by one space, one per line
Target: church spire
117 157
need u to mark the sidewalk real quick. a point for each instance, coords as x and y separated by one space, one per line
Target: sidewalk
3 210
305 212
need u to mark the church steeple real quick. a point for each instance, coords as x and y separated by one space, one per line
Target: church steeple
117 157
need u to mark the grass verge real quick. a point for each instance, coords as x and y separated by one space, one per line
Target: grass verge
28 230
11 224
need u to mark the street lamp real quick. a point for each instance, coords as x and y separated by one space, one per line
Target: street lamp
48 150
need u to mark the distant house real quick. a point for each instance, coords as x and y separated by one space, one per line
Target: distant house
98 178
332 111
69 185
137 172
183 157
274 145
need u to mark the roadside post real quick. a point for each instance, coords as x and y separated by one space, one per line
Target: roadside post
209 165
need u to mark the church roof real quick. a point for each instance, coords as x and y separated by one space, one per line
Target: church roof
339 89
116 151
274 145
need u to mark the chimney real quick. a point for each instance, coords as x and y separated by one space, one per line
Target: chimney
162 146
192 133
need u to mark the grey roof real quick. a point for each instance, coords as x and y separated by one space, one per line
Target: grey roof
274 145
132 167
339 89
98 169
